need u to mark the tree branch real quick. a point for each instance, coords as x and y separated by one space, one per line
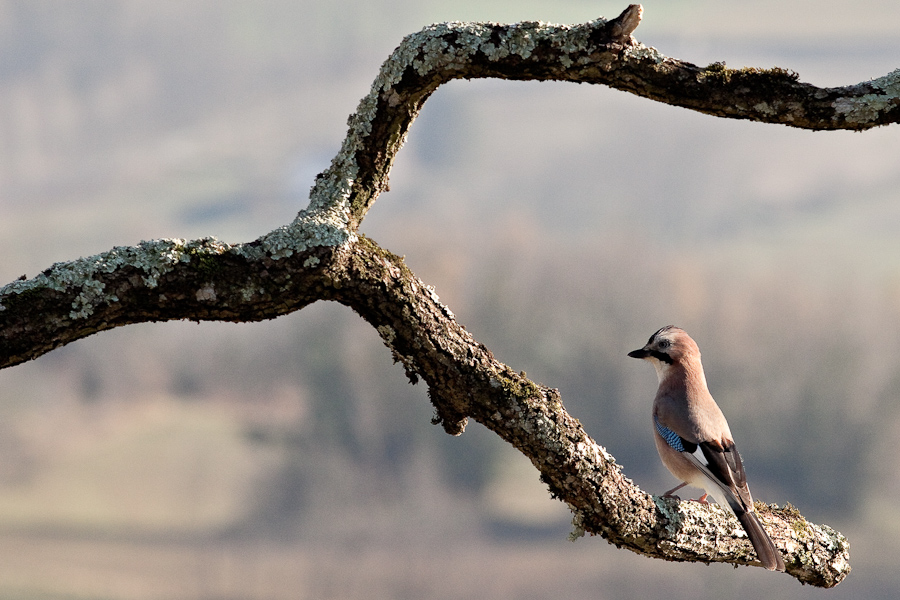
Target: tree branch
319 256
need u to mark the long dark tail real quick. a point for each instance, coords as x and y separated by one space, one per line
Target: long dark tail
762 543
743 509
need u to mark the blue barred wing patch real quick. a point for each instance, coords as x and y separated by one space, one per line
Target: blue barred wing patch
672 438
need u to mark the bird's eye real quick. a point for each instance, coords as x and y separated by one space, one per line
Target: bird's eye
663 344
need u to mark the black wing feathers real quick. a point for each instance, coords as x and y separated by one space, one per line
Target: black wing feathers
725 463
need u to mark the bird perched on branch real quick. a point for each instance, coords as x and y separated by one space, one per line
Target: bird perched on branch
687 419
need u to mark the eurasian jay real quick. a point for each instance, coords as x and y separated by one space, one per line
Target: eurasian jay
685 419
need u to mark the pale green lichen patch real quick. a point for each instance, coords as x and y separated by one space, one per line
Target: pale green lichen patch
641 52
523 40
670 511
91 292
831 539
309 230
889 84
866 108
153 259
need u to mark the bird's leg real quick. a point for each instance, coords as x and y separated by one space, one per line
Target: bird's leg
670 493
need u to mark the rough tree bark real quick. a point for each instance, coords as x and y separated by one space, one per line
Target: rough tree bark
320 256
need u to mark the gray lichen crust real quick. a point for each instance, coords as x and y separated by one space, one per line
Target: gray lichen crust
152 259
431 49
868 107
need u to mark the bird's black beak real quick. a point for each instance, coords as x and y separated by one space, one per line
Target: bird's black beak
642 353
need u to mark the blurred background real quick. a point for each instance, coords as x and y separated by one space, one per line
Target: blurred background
562 224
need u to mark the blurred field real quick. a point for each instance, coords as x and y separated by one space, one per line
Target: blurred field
562 225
